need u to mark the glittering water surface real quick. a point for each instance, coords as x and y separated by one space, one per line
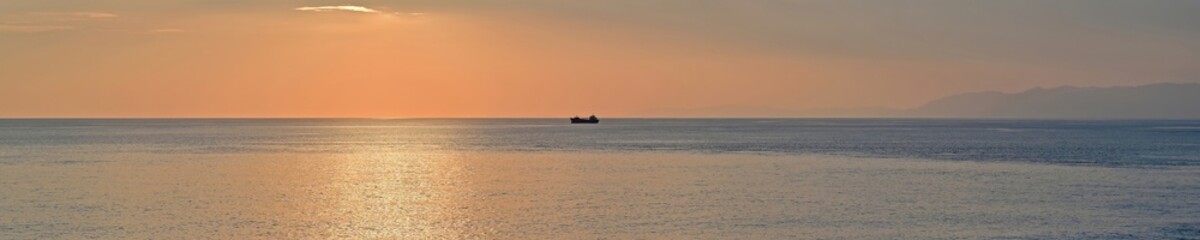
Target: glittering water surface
487 179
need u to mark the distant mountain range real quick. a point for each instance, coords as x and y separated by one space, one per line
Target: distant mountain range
1157 101
1162 100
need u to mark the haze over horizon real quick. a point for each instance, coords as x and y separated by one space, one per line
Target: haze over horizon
424 58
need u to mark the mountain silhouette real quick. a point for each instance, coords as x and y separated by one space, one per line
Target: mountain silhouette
1162 100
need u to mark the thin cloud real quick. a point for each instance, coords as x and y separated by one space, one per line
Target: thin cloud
360 9
37 22
69 16
167 30
33 28
93 14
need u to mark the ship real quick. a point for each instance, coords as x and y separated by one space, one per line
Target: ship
589 120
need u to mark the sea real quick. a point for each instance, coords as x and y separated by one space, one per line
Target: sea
620 179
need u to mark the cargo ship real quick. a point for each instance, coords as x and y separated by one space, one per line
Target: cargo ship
589 120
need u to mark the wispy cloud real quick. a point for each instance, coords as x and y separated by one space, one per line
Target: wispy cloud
36 22
68 16
90 14
338 8
166 30
33 28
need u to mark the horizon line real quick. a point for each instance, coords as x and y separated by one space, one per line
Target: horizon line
624 118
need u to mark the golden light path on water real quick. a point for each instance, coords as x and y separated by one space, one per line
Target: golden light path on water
370 190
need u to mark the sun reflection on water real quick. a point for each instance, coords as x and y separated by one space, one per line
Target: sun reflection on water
380 191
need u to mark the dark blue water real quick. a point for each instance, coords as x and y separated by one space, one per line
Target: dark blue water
1107 143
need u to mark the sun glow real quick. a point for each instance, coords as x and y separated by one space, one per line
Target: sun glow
143 58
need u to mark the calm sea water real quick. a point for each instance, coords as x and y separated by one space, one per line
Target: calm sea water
624 178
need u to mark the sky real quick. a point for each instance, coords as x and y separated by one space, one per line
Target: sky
554 58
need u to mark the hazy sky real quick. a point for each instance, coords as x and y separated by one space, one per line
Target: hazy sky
495 58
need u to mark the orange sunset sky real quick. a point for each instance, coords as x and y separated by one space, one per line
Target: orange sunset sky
553 58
